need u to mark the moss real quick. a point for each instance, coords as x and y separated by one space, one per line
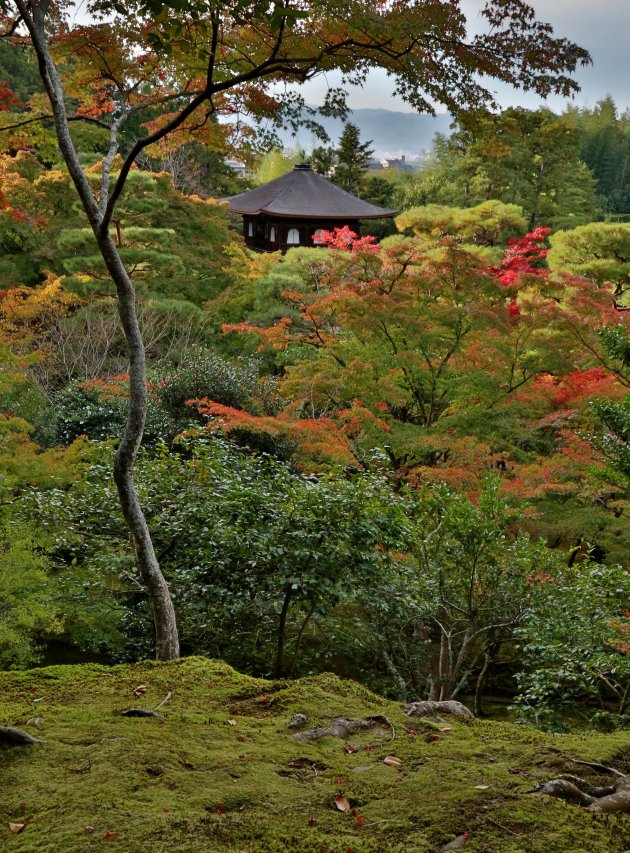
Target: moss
196 782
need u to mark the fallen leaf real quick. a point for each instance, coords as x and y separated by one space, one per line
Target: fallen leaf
341 780
166 811
311 821
110 836
240 809
359 820
445 728
16 827
231 722
412 733
432 738
219 808
392 761
342 804
140 689
241 738
89 830
482 787
349 749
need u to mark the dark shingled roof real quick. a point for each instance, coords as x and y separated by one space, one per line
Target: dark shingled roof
304 194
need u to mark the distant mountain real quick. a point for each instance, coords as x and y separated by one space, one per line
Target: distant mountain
392 133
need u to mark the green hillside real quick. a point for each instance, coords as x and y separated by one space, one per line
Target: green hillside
220 770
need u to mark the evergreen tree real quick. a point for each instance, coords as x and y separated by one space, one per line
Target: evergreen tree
605 148
353 157
530 158
323 161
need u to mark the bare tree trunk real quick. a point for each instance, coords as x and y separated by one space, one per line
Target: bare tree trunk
487 658
395 673
278 667
299 638
166 638
445 668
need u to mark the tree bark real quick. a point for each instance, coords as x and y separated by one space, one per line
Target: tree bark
487 658
278 667
299 638
166 636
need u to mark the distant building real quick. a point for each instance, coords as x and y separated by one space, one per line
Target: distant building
236 165
291 210
399 163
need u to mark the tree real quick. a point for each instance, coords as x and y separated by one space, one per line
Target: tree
523 157
450 366
220 60
27 606
353 157
475 582
275 163
605 148
575 644
600 251
487 224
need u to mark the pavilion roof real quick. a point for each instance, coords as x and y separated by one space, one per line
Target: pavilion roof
303 194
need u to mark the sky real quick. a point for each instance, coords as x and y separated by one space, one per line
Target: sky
601 26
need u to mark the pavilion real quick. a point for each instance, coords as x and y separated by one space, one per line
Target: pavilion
292 209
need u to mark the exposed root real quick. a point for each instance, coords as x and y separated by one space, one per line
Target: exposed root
601 768
607 798
140 712
343 727
10 736
164 701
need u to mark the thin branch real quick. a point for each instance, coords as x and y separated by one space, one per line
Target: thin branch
95 121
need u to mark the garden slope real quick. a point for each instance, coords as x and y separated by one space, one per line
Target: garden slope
221 771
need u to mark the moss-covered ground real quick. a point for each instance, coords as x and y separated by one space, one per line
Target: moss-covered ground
221 771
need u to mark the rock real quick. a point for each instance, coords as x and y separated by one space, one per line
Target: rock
297 720
430 709
456 843
10 736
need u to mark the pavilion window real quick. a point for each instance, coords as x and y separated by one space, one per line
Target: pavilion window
250 229
272 234
293 237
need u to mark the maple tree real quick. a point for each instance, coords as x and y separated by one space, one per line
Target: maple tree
185 62
451 366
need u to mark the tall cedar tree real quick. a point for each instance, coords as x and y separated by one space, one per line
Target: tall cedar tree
183 62
353 157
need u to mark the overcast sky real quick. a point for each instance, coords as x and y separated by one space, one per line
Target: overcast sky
601 26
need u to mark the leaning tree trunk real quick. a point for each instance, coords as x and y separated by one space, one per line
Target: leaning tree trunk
166 638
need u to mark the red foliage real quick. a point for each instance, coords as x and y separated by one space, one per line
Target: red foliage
345 240
523 257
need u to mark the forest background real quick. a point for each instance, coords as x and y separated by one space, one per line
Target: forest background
404 461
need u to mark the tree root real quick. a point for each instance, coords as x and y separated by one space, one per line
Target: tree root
343 727
10 736
140 712
607 799
431 709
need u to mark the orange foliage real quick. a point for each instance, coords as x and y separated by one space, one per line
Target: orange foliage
317 440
